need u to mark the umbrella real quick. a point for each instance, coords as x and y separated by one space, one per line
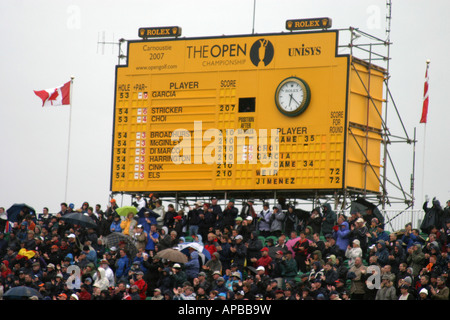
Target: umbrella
116 238
21 292
173 255
152 213
15 209
202 252
361 205
79 219
124 211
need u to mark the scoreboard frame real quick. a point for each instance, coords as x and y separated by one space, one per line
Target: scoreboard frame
304 190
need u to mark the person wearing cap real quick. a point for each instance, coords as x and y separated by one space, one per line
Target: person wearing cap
178 275
387 290
230 213
264 220
139 237
156 295
359 232
62 296
233 278
265 260
404 293
140 283
248 210
424 294
353 252
238 252
219 285
277 221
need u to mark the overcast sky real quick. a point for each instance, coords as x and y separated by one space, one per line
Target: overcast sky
45 42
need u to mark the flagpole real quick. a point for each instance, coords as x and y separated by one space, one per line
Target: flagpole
68 142
423 160
425 130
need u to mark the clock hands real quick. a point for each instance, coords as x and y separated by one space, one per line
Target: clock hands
292 98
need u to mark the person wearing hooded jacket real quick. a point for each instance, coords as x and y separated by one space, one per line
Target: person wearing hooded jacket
192 267
433 216
278 217
353 253
329 218
416 258
343 236
101 281
382 253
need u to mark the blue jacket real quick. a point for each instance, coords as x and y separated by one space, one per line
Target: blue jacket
123 266
382 254
342 236
115 226
192 267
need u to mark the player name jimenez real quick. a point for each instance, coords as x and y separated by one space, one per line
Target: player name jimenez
238 309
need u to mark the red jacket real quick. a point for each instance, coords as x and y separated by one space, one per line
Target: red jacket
264 261
142 285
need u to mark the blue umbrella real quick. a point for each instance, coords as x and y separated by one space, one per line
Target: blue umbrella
203 253
152 213
20 292
15 209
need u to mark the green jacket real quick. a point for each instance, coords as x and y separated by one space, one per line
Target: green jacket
289 268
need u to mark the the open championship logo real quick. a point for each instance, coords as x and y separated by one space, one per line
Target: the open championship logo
261 52
241 146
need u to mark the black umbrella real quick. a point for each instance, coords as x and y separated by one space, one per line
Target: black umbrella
116 238
15 209
79 219
21 292
361 205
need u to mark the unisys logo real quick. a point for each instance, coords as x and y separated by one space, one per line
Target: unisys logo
230 146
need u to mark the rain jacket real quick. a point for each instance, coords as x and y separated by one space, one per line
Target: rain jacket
264 220
433 216
416 260
343 236
277 220
127 226
382 254
101 282
330 219
192 267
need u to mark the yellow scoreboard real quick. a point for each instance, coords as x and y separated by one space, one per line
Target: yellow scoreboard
252 112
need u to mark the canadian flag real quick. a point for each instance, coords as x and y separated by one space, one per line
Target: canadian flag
55 96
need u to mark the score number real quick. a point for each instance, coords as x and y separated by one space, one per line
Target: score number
335 175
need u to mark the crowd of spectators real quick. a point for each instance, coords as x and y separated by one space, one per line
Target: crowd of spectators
277 253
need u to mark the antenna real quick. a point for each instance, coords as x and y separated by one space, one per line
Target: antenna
102 42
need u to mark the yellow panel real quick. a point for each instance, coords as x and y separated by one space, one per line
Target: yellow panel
210 84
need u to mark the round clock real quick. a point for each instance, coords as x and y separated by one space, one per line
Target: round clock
292 96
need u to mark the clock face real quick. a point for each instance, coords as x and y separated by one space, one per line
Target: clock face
292 96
